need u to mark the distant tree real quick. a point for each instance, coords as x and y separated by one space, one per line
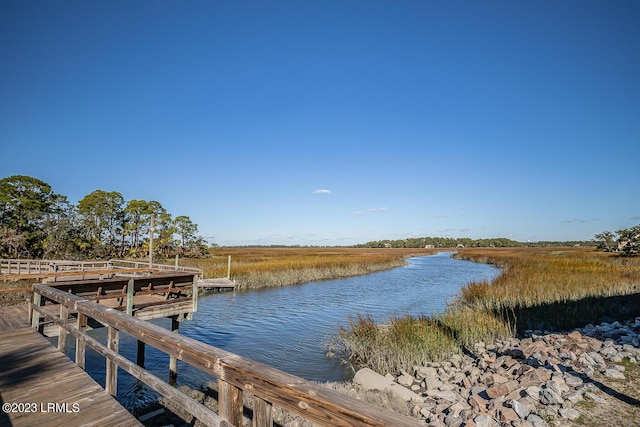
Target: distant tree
185 229
25 203
63 232
629 241
165 230
103 218
606 241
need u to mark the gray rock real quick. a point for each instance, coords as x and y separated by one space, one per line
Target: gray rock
449 395
405 380
485 420
533 392
569 413
432 383
550 397
614 373
537 421
573 380
574 397
599 361
453 421
521 409
370 380
594 397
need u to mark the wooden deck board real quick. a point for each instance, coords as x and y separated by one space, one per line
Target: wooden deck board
14 316
33 371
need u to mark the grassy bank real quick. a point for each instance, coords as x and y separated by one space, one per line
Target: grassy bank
253 268
538 288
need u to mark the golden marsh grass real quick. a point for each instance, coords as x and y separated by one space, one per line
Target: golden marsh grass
537 276
267 267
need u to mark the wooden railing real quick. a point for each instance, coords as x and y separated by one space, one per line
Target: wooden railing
45 266
236 375
119 263
41 266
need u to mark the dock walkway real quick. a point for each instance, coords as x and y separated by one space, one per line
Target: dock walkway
36 377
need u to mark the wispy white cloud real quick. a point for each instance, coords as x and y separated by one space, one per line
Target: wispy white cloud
382 209
358 213
321 191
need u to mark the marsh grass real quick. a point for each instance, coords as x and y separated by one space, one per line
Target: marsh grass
553 287
411 341
269 267
533 277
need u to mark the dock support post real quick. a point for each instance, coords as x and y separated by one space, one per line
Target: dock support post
229 268
173 362
140 355
111 381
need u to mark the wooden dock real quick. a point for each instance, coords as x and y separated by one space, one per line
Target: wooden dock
42 386
216 284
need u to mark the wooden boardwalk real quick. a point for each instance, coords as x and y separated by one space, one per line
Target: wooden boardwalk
57 391
216 284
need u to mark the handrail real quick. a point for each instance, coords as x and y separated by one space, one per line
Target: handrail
16 267
117 263
235 373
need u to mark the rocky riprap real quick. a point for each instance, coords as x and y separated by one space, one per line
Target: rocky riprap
536 380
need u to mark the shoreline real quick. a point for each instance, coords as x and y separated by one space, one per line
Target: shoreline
587 376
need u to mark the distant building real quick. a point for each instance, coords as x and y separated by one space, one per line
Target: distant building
428 246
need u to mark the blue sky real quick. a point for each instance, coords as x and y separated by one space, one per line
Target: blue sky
333 122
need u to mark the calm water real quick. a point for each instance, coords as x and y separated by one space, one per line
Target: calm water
287 327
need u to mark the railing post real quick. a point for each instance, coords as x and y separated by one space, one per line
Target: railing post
62 334
80 342
130 287
35 316
230 400
229 268
173 362
194 294
111 381
262 413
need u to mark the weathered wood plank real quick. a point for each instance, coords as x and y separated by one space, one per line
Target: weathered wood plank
13 317
230 401
113 342
262 413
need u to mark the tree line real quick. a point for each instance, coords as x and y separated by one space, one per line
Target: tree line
36 222
450 242
625 241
